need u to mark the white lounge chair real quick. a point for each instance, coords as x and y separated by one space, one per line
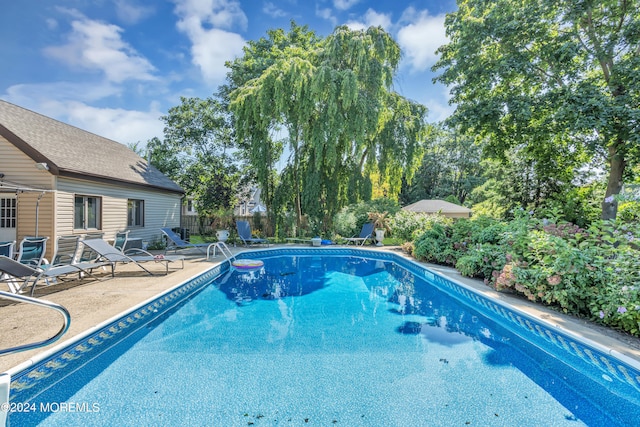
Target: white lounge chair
108 253
19 276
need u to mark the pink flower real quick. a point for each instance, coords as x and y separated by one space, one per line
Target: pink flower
554 280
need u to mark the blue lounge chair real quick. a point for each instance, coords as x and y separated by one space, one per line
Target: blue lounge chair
244 232
121 239
365 234
32 250
7 248
175 242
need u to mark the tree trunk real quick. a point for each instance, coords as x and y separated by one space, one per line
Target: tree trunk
617 165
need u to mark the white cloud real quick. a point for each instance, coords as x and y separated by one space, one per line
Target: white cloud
27 94
371 18
204 23
326 14
344 4
226 14
421 37
273 11
211 49
97 46
124 126
131 13
68 102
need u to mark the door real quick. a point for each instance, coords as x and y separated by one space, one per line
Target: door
8 217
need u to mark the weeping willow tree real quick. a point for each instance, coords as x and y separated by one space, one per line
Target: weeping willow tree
332 98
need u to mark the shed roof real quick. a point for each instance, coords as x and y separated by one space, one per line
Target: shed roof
435 206
73 152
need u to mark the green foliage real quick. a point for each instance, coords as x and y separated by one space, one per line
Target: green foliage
157 244
345 222
308 85
408 226
351 218
549 86
197 135
433 245
448 170
590 272
481 261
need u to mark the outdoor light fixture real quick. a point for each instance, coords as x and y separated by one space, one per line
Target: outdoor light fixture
42 166
1 175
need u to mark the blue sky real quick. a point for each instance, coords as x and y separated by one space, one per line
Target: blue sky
113 67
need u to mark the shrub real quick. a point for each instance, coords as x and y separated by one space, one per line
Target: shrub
433 245
408 226
345 223
482 261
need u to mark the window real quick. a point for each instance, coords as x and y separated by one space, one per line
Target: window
87 213
191 209
135 213
8 212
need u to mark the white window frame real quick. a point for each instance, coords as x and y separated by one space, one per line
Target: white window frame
135 213
86 211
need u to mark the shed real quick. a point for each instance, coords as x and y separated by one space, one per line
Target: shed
442 207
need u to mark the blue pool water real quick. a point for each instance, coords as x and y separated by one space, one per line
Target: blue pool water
347 338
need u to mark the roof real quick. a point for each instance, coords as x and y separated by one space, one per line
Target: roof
435 206
73 152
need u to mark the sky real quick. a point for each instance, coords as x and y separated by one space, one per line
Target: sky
114 67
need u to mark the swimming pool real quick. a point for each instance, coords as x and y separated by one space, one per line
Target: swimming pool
326 337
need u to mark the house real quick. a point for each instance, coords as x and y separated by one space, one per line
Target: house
441 207
56 179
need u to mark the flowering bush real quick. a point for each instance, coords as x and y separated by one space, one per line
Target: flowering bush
591 272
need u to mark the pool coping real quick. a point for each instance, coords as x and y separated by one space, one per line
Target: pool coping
28 374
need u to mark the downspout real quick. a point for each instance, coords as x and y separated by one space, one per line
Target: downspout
37 211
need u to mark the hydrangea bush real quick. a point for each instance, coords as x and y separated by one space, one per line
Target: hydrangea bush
593 272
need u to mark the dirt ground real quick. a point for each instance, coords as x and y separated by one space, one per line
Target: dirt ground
92 302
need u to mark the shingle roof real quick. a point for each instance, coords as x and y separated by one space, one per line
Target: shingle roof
434 206
70 151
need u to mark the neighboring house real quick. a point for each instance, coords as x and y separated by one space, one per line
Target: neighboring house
189 207
250 204
56 179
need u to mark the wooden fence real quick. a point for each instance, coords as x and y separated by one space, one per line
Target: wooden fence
195 226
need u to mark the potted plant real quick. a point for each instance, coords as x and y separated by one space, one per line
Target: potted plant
381 224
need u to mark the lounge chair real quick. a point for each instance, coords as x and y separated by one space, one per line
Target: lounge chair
87 253
366 233
7 248
18 276
32 250
175 242
120 241
244 232
108 253
65 254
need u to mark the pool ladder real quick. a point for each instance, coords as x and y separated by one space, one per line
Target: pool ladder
5 378
224 249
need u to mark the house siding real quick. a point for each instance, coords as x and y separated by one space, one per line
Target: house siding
18 168
161 209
